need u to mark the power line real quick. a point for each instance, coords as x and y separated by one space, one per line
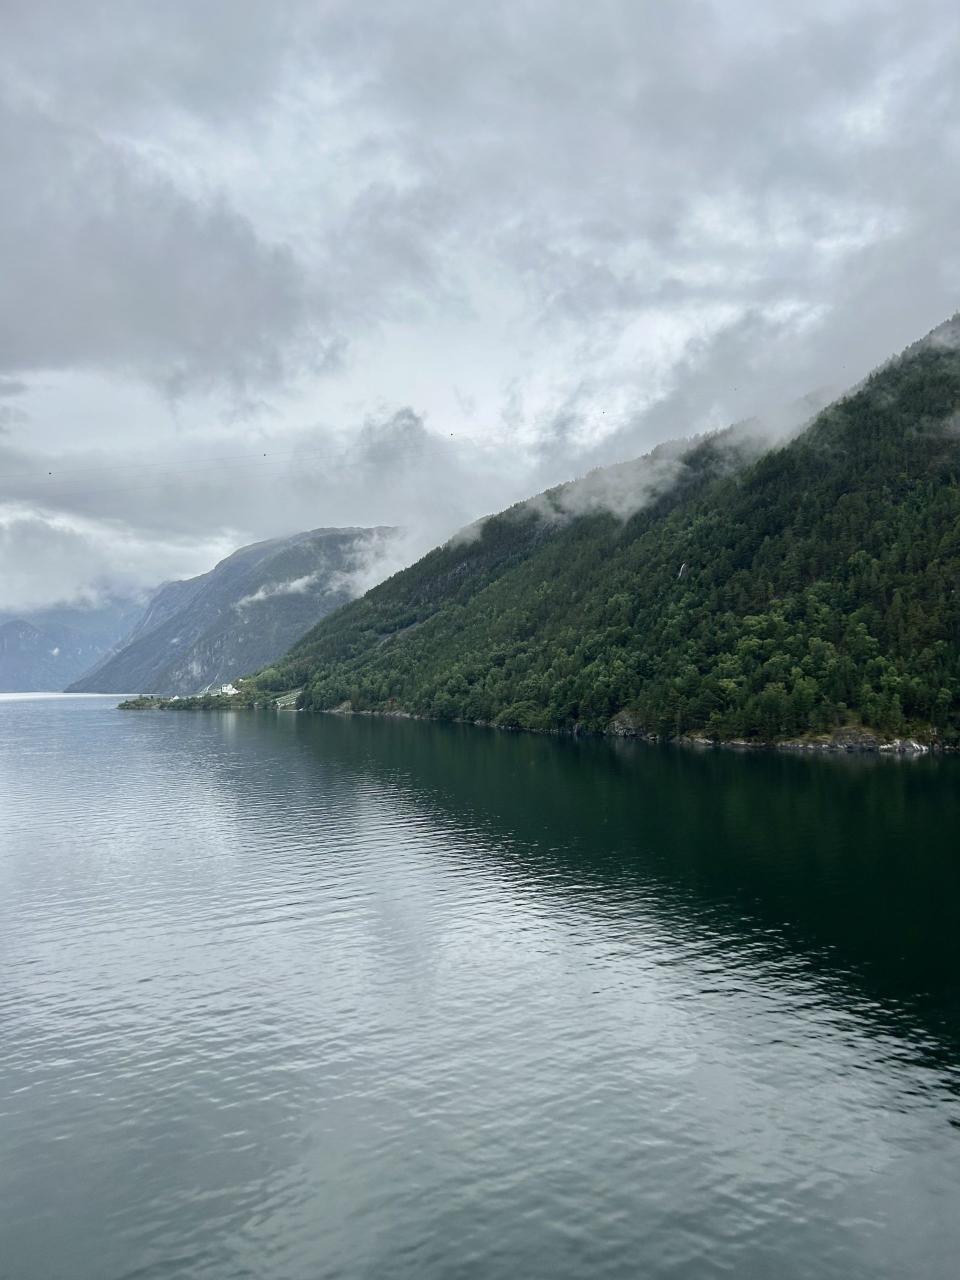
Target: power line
49 487
227 459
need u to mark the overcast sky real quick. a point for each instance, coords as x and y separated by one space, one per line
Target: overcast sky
271 266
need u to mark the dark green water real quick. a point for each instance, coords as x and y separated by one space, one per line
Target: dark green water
297 997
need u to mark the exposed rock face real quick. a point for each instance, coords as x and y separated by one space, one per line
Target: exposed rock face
237 618
850 740
858 740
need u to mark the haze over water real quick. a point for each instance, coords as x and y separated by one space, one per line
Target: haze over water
287 996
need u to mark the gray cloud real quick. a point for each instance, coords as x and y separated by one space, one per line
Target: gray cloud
389 471
482 250
106 265
48 557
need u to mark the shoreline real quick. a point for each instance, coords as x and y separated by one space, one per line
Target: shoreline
843 742
847 741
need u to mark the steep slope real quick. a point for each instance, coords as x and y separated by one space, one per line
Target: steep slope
34 658
47 648
243 613
814 587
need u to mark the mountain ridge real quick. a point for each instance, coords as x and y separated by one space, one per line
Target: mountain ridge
45 649
209 629
802 591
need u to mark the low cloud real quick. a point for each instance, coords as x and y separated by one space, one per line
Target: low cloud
48 558
149 280
378 557
294 587
386 280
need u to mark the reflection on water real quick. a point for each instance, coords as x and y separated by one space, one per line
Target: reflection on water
301 996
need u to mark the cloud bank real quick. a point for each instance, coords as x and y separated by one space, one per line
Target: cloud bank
265 268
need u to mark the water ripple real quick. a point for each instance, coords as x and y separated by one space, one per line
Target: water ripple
285 997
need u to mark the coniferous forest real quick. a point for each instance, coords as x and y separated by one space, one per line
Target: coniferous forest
809 588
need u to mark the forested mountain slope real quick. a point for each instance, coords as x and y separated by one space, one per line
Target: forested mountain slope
246 611
812 587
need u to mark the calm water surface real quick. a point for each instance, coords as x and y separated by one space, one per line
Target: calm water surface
296 997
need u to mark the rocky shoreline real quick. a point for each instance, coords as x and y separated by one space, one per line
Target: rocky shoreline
867 745
852 740
847 741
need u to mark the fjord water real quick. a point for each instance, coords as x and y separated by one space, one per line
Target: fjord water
291 996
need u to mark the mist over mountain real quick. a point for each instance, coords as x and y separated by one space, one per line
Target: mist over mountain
723 588
243 613
262 261
46 649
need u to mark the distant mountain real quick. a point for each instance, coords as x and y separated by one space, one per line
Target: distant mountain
807 588
46 649
244 613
